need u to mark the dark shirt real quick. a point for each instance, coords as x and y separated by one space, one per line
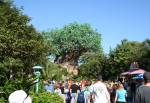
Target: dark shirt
62 89
74 88
133 87
142 95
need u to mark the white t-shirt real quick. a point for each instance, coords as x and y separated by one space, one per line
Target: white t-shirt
58 91
100 93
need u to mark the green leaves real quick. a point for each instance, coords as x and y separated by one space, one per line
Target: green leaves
46 98
124 54
93 65
21 46
54 71
73 40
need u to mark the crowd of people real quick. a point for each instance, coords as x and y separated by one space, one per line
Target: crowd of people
98 91
80 92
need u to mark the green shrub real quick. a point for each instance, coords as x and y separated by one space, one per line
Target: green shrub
46 98
13 85
54 72
2 100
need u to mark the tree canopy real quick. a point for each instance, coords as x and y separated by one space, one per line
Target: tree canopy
93 65
73 40
21 46
124 54
145 59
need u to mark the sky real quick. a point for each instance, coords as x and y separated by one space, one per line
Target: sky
115 20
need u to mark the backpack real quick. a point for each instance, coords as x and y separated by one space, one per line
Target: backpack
81 97
68 96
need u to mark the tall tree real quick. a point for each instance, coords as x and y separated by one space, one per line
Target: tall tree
124 54
93 65
21 46
145 59
73 40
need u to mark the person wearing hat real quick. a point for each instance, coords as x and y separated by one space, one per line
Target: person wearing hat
143 92
99 92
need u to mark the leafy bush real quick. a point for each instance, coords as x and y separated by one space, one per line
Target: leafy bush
46 98
2 100
9 87
54 71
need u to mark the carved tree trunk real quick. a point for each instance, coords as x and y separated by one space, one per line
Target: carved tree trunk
70 68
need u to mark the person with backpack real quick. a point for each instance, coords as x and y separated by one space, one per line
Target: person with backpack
74 90
81 98
87 94
68 97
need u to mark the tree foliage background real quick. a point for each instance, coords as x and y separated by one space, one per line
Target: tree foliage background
121 57
72 41
21 46
93 65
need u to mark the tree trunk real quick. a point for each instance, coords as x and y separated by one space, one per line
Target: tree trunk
72 69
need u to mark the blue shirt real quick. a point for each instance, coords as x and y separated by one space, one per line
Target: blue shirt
121 95
49 88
